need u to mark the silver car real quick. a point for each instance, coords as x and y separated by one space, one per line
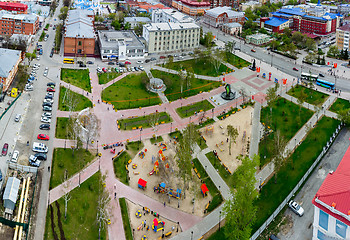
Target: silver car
296 208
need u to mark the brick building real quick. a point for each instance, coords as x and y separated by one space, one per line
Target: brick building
222 3
16 8
191 7
220 15
79 35
9 60
27 24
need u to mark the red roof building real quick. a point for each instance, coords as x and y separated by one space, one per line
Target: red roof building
14 7
332 204
191 7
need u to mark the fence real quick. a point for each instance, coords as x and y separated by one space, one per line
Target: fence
23 168
13 102
296 188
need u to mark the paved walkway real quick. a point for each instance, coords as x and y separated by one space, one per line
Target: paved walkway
177 72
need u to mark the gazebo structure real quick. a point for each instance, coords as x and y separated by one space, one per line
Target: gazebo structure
142 183
204 190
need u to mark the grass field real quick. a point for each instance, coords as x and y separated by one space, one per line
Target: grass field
104 78
119 164
313 97
125 217
144 121
77 77
154 140
134 147
64 160
339 104
81 213
64 100
236 61
199 66
173 86
130 92
189 110
61 131
285 118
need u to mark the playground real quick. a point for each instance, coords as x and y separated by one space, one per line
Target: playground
154 172
149 223
217 138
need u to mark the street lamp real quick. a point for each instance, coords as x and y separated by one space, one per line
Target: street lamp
219 219
171 127
97 148
177 230
191 235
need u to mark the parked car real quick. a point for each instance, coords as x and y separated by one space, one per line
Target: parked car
295 69
321 75
45 73
104 70
127 62
190 53
34 161
47 104
51 84
90 62
139 61
273 237
15 155
253 50
141 68
5 149
46 114
49 89
48 97
111 63
296 208
47 109
82 65
49 94
44 127
45 120
147 60
28 87
153 59
41 156
18 117
43 137
162 57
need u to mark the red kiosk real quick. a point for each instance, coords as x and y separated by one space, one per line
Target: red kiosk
142 184
204 190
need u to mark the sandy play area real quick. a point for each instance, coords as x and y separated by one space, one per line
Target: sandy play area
217 137
167 173
147 219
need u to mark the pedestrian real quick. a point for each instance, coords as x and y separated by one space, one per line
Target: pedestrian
115 186
144 223
48 168
108 108
115 195
164 204
227 140
27 143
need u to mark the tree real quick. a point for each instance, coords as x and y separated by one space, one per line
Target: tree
333 51
139 29
279 144
298 38
310 44
233 134
190 77
127 26
66 3
64 12
116 24
103 215
271 94
66 196
183 76
229 46
53 6
217 59
287 32
344 116
30 56
275 44
154 122
240 210
90 127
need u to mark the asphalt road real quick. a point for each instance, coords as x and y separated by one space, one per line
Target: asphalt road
302 226
282 63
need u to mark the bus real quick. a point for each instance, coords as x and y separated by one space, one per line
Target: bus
325 84
308 76
68 60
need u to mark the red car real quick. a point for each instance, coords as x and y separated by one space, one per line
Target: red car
104 70
127 62
50 89
43 137
4 149
162 57
253 50
295 69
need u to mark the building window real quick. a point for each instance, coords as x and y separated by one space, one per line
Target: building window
79 51
321 235
79 43
340 229
323 220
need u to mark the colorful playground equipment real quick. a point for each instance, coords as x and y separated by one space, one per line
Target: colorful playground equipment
163 146
161 188
204 190
144 237
142 154
155 168
142 184
134 165
161 155
157 225
209 129
138 213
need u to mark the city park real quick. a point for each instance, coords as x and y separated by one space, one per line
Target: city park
134 151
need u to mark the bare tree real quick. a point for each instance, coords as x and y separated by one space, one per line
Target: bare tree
243 94
66 196
70 100
183 76
278 154
103 215
217 59
154 122
90 125
233 134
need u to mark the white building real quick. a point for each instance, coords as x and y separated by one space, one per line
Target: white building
120 45
169 37
134 21
344 9
250 4
332 204
170 15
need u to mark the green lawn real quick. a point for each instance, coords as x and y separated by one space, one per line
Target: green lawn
199 66
298 163
125 217
144 121
61 131
201 143
119 165
205 123
134 147
228 113
177 136
130 92
64 160
104 78
285 117
214 192
339 104
173 88
189 110
81 213
313 97
78 100
225 175
154 140
236 61
77 77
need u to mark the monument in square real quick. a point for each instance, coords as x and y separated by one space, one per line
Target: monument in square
228 94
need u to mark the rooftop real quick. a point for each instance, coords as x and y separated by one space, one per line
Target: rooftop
8 59
137 19
345 28
179 16
334 193
13 5
112 39
215 12
169 26
195 3
275 21
232 24
79 24
258 36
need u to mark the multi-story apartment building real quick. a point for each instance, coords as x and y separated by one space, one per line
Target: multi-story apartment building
168 37
79 36
170 15
343 37
120 45
12 7
332 205
220 15
191 7
27 24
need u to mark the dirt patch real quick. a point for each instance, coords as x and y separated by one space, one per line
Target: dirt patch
52 217
60 227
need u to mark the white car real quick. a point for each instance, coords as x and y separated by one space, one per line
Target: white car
45 120
45 73
142 69
34 161
38 58
28 87
99 69
48 101
296 208
15 156
46 114
37 65
139 61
